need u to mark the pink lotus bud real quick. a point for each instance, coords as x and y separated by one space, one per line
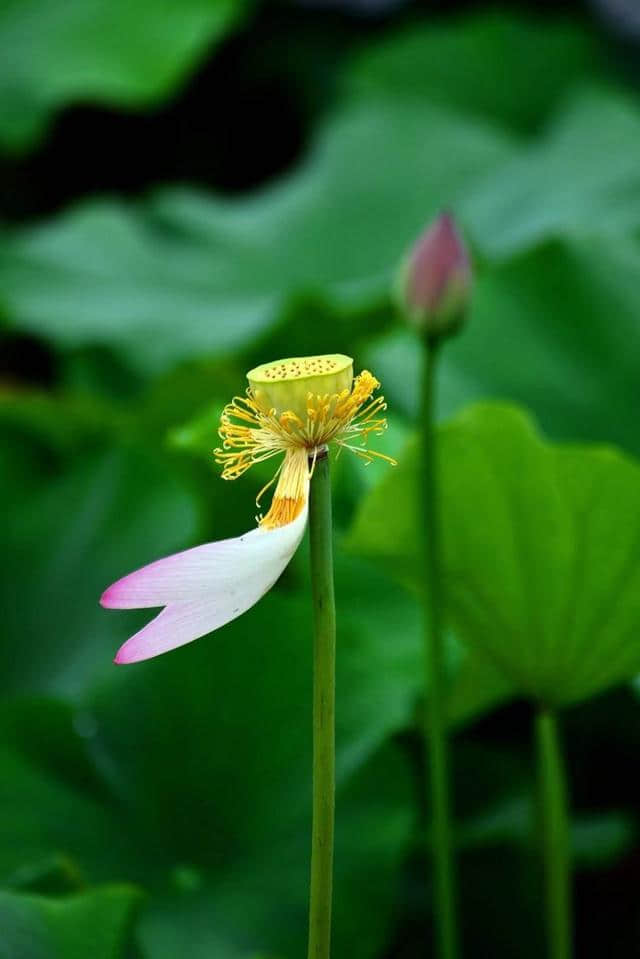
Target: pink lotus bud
434 283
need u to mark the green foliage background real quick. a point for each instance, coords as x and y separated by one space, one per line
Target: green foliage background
162 810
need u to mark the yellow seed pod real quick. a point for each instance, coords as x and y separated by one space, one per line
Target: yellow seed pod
286 384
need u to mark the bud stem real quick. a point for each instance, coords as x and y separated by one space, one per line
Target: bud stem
435 711
324 655
555 834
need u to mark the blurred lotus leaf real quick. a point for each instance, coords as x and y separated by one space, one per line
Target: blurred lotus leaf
187 274
571 181
542 551
108 51
482 64
67 534
39 927
176 776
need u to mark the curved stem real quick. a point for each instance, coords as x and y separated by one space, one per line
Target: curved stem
555 834
324 654
435 713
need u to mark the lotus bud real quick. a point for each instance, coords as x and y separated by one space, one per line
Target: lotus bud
434 282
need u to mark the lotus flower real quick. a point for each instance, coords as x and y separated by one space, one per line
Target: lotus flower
295 409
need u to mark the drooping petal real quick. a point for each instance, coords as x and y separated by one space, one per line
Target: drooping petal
202 588
175 625
194 572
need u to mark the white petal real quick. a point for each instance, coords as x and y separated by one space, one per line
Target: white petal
203 588
216 566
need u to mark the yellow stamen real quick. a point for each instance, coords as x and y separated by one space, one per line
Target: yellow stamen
291 492
251 434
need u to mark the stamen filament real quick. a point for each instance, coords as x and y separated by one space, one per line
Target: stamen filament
250 434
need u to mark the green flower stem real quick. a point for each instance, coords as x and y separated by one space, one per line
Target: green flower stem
555 834
435 713
324 684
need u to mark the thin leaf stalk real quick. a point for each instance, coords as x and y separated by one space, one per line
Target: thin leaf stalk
435 734
554 822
